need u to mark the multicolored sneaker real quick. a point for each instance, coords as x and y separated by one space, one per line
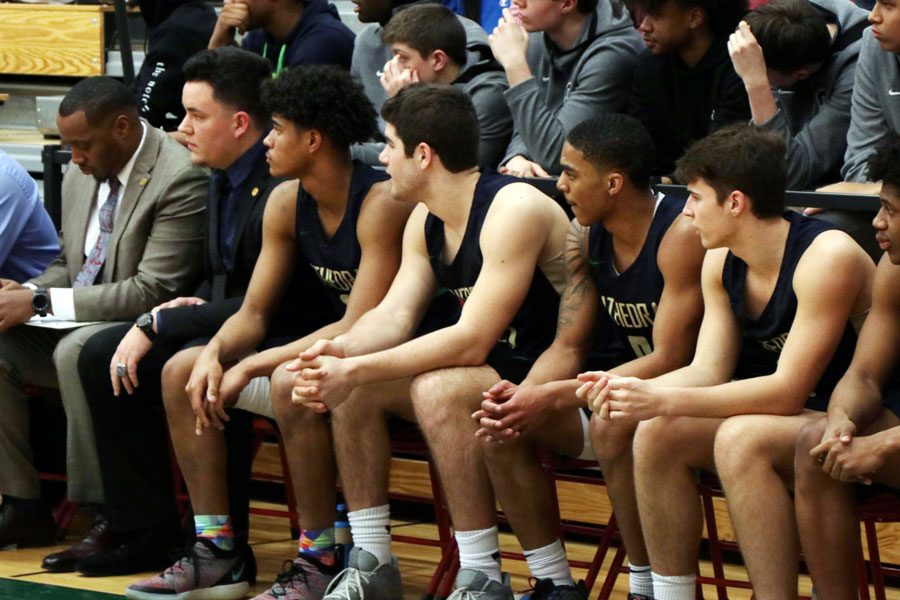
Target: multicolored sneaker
545 589
639 597
475 585
365 578
204 573
304 578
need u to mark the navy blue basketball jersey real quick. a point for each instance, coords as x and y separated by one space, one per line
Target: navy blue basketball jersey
335 260
628 300
764 337
533 327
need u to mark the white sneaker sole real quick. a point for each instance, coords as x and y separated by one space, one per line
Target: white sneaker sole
233 591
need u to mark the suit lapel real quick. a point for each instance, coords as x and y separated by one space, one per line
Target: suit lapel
141 173
253 193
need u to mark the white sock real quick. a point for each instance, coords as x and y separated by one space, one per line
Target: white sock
480 550
674 587
371 531
550 562
640 580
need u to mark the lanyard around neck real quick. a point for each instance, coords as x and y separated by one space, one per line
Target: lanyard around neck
280 63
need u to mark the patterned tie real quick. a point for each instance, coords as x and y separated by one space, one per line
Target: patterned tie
97 257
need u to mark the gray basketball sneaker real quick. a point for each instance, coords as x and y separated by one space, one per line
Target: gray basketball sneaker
365 579
475 585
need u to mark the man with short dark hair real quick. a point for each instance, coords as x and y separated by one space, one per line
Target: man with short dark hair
506 280
287 33
684 85
223 127
132 223
371 53
859 440
797 59
566 61
632 305
331 247
782 293
429 44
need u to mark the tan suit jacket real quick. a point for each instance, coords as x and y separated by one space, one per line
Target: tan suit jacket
155 252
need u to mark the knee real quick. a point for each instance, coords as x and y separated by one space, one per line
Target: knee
175 375
282 386
657 442
611 442
809 436
740 443
433 406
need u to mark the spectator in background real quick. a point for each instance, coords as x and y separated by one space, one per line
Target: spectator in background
685 86
797 59
178 29
566 61
28 239
875 111
371 53
429 44
286 32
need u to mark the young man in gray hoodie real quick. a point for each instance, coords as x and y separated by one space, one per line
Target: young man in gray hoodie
797 59
370 53
876 91
566 61
429 44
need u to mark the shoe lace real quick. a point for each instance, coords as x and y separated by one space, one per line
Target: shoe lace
350 584
292 571
465 593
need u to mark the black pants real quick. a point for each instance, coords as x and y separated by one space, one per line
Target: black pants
133 441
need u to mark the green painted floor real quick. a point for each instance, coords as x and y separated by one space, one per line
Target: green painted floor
10 589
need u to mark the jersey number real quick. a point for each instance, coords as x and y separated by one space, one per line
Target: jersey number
640 345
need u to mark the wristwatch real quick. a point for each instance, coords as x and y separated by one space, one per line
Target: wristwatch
40 302
145 324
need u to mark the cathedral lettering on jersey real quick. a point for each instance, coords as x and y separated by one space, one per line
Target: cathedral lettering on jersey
339 280
630 315
776 344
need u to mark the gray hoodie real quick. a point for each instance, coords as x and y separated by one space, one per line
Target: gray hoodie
814 115
876 106
592 78
481 77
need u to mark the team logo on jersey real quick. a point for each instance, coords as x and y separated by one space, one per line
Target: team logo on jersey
776 344
630 315
341 281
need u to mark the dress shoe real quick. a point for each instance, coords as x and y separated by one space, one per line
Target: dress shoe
97 540
148 550
21 529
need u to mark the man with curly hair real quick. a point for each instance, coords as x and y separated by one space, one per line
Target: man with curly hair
331 247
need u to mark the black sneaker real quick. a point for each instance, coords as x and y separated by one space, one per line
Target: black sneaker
545 589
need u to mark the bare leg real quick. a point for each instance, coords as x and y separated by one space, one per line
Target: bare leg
612 442
666 453
826 517
520 484
307 440
831 542
444 401
362 443
755 461
202 458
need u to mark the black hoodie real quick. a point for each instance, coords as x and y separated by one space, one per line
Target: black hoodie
177 30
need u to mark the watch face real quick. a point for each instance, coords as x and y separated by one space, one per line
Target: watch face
40 300
145 320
